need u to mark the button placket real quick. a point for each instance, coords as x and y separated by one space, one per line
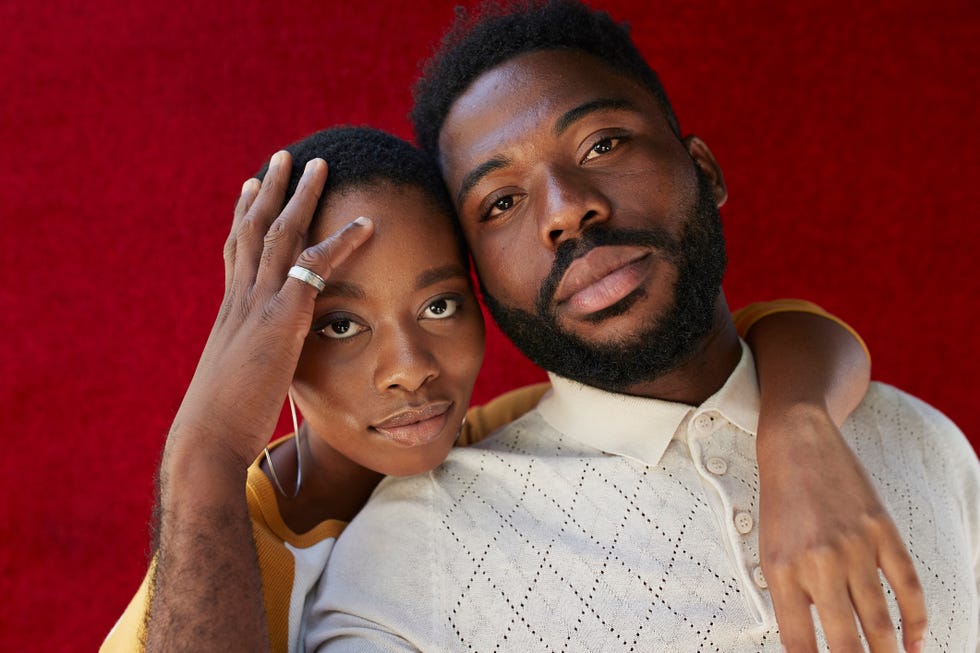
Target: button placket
705 423
727 457
715 465
744 522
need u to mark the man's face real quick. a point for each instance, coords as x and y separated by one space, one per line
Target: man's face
595 235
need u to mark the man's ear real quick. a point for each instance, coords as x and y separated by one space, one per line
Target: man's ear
709 166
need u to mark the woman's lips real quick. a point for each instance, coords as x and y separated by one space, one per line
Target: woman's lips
415 426
601 278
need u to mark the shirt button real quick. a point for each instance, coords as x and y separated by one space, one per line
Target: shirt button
704 423
716 466
744 523
759 579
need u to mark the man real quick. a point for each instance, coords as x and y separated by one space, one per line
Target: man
622 513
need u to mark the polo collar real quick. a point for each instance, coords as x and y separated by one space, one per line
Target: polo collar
641 428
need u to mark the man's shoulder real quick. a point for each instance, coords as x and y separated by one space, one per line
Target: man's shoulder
908 417
894 433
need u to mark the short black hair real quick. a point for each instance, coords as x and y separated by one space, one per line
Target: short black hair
364 156
359 157
500 31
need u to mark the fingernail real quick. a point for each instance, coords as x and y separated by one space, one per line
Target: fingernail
917 646
277 158
362 221
249 185
312 165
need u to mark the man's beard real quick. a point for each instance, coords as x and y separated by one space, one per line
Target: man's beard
662 344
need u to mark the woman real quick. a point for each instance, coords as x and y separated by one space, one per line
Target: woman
375 331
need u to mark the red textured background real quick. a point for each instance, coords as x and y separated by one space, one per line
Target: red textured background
847 133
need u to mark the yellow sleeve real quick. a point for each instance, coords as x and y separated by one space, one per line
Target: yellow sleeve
481 421
747 316
129 633
276 564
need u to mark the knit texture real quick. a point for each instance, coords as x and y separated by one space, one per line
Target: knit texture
534 540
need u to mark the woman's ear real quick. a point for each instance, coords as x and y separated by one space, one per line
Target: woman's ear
709 166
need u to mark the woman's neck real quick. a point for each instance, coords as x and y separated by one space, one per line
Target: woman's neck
333 487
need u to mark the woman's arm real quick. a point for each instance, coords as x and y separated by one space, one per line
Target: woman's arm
823 530
205 588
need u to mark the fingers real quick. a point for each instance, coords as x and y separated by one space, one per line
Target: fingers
792 606
839 581
896 564
836 613
324 257
249 191
287 235
869 602
264 209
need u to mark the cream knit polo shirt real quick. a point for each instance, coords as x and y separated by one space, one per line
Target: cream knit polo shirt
604 522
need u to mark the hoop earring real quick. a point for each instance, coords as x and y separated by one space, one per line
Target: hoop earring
299 455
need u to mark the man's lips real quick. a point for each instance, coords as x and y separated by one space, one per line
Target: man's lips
601 278
415 425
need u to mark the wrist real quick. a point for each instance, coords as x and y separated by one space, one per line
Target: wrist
196 473
785 422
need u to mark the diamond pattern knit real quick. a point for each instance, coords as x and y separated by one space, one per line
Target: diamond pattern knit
536 541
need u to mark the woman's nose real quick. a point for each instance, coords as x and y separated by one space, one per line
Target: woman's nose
404 361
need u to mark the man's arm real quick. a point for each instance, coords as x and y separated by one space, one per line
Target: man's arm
206 560
823 530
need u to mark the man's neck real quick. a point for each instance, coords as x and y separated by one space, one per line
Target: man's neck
705 371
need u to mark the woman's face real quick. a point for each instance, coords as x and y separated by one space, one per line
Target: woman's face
386 372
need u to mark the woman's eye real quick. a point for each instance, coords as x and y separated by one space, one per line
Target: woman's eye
441 308
603 146
340 329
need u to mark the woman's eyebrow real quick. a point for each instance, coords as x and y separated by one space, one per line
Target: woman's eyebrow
342 289
568 118
435 275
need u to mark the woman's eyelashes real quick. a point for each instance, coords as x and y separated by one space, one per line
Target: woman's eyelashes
338 327
442 308
343 327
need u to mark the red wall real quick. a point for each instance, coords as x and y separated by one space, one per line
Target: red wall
847 133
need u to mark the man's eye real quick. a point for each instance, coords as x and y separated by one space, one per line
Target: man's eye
441 308
500 205
340 329
601 147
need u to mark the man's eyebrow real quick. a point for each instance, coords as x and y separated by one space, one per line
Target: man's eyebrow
435 275
474 176
601 104
342 289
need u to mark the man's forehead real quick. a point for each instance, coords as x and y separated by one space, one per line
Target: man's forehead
528 92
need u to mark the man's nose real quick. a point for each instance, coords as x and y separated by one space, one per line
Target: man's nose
570 203
404 361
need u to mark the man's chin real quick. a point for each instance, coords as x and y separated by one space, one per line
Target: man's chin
624 323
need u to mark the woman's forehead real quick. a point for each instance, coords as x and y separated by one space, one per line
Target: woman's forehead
411 230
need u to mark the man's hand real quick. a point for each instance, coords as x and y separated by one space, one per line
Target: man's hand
823 536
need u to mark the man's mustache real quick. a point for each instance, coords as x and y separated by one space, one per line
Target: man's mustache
570 250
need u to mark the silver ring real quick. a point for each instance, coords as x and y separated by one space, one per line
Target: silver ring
307 276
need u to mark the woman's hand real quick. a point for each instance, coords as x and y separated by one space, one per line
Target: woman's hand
823 536
236 395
